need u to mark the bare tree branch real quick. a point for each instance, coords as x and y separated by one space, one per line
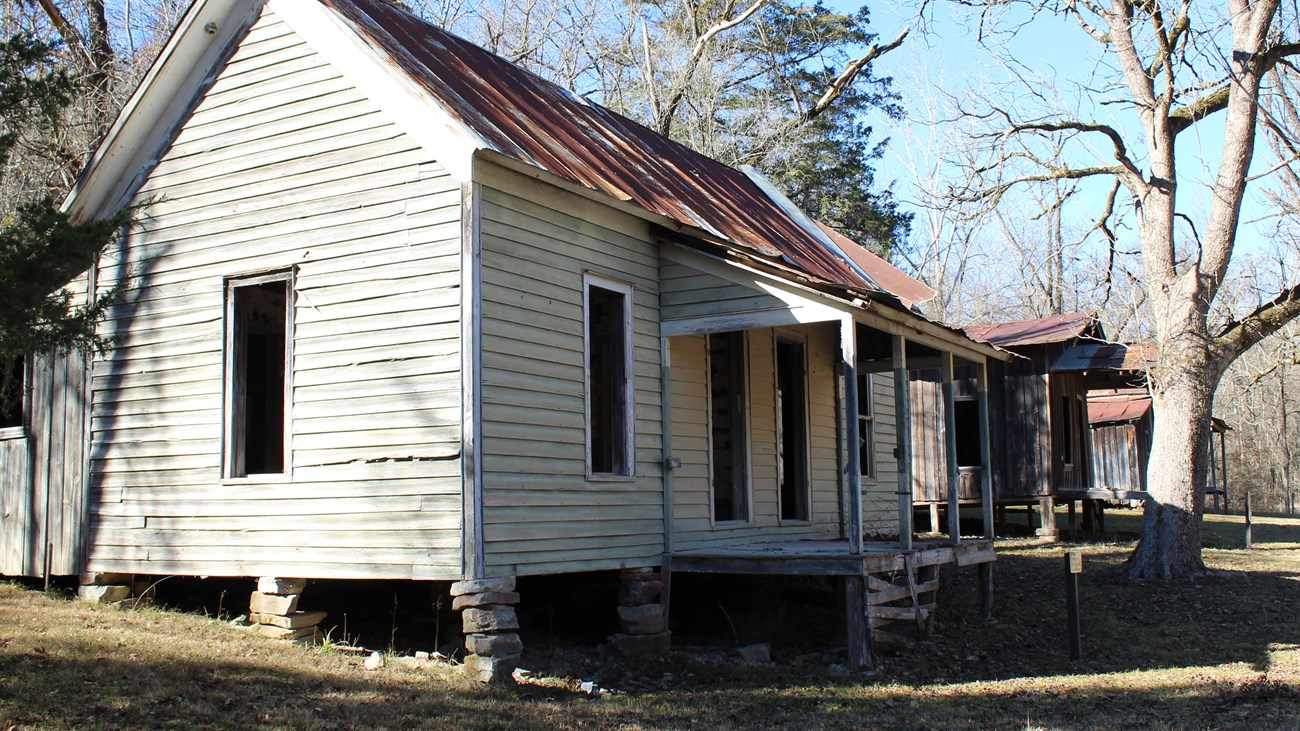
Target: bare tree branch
664 124
850 72
1237 336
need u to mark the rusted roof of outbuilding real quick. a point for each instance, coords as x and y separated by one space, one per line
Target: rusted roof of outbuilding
1040 331
1105 357
1117 406
533 121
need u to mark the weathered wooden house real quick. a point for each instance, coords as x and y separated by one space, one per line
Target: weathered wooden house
1121 422
401 310
1038 420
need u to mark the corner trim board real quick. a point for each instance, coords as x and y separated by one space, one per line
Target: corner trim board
471 375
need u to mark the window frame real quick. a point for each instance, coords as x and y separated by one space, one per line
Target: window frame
25 396
230 419
626 289
801 342
869 469
747 482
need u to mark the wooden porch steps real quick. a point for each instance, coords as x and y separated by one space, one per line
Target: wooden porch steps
900 604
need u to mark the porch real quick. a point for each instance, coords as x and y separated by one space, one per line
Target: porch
890 592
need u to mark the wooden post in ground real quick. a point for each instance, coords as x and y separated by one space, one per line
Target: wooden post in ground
1074 528
986 494
1073 567
857 627
1250 538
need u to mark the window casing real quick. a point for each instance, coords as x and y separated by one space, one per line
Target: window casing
259 357
13 393
610 398
728 427
792 430
867 426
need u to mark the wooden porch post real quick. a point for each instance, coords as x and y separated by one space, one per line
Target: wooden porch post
903 431
986 498
950 446
1223 469
986 457
848 362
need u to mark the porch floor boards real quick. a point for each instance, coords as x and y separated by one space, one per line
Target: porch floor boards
829 558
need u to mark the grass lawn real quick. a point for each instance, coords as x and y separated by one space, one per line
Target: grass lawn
1221 653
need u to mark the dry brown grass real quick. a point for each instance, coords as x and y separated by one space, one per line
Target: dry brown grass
1223 652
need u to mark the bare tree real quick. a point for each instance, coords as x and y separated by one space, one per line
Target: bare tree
1171 65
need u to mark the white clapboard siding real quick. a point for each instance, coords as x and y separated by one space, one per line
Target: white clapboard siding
283 165
690 293
690 483
541 514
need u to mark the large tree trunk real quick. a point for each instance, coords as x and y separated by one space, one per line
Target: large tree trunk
1182 398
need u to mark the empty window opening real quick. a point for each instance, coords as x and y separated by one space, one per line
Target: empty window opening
259 317
12 387
966 413
728 426
609 380
866 426
792 423
1066 420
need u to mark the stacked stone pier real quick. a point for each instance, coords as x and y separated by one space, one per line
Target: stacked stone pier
641 615
487 612
273 608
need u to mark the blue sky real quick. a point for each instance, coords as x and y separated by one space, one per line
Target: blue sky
948 56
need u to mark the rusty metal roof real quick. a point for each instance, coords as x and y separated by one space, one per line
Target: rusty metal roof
909 289
533 121
1105 357
1117 406
1040 331
1125 405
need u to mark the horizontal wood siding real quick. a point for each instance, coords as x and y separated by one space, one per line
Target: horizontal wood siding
284 165
880 498
541 514
692 523
690 293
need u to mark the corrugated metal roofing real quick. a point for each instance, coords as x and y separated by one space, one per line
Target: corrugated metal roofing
529 119
1118 406
1040 331
1105 357
909 289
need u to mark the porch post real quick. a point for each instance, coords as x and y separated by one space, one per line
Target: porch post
950 446
903 432
1223 468
986 461
986 498
848 363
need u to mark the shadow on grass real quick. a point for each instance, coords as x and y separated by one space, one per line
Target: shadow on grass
1226 617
